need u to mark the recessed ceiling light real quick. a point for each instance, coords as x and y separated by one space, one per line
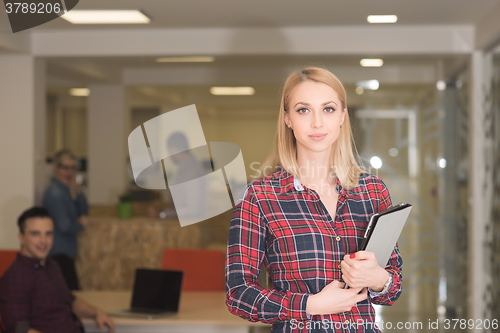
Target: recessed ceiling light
232 91
79 91
186 59
394 152
382 18
368 84
371 62
441 85
376 162
442 163
106 17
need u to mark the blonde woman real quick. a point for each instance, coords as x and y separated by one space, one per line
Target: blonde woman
304 221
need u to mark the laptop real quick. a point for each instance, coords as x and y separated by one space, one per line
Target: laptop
156 294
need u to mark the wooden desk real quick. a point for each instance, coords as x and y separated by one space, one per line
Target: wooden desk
199 312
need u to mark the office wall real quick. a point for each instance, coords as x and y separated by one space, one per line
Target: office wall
254 134
20 101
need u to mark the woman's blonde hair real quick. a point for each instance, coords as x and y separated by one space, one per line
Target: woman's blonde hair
62 155
284 152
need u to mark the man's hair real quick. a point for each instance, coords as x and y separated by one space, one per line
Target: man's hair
30 213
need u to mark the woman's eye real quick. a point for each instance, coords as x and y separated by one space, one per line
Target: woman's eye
302 110
329 109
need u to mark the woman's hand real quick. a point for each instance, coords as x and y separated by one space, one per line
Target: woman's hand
334 299
84 220
361 270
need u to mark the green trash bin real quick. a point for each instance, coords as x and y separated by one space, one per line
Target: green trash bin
125 207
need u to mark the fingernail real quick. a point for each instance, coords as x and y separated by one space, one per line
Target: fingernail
352 255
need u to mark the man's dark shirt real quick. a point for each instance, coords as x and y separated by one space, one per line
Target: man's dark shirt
36 296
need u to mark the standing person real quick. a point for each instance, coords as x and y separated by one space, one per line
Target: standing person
190 196
34 297
305 220
68 207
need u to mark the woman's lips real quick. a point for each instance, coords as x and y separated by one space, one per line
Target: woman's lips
317 137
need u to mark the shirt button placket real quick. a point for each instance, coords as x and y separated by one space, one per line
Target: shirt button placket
338 238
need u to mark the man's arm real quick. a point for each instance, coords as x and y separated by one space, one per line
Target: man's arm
84 310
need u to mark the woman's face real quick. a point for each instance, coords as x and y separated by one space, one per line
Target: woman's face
315 113
66 171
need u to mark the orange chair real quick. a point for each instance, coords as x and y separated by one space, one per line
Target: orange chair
204 270
7 257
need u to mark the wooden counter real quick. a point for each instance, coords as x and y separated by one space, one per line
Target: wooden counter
110 249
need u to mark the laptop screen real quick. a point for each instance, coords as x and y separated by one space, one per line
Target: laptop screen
157 290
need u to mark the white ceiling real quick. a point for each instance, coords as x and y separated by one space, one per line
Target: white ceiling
263 13
287 13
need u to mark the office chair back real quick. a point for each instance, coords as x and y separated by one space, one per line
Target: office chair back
204 270
7 257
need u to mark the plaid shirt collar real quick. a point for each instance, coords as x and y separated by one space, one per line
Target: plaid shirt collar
31 262
289 183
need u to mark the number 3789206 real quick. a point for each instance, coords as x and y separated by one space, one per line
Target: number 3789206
32 8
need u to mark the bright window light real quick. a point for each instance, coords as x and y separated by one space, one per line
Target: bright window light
376 162
79 91
368 84
371 62
232 91
106 17
382 18
185 59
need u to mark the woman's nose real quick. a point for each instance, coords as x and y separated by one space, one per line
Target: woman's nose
317 121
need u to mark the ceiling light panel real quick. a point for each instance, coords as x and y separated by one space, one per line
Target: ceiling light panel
232 90
79 91
382 18
186 59
106 17
371 62
368 84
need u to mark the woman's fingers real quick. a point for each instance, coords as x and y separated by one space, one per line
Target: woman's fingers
334 299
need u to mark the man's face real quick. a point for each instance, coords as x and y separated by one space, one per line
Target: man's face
37 238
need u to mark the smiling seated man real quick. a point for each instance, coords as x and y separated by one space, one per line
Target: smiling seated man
34 296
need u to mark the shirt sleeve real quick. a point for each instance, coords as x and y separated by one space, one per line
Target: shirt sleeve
246 250
14 301
81 205
58 206
395 264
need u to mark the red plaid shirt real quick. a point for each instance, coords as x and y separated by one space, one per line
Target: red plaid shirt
284 225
